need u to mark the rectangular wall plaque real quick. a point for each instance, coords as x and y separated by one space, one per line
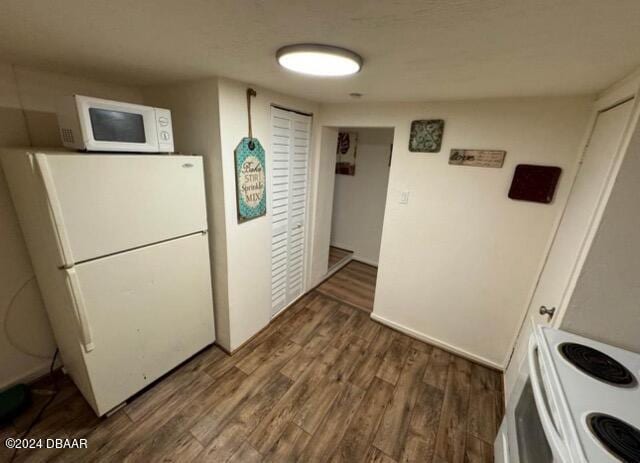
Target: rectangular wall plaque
477 158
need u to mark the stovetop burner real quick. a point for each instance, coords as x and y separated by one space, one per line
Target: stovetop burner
618 437
597 364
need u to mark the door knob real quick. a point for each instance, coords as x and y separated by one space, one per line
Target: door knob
545 311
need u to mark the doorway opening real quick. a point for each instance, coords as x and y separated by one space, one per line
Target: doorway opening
363 161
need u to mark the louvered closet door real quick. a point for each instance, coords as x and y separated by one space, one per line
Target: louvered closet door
289 165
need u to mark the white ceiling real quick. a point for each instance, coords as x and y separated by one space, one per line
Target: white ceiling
413 50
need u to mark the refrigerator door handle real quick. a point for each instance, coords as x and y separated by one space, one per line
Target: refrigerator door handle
56 211
79 308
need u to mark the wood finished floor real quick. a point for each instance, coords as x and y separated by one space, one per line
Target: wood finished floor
355 284
323 382
336 255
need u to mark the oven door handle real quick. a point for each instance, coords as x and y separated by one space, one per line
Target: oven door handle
545 417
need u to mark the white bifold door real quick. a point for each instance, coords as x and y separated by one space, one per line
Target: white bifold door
291 137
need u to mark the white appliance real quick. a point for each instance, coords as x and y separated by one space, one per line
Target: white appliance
120 251
580 402
94 124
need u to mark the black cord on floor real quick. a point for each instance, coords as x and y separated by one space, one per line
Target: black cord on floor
44 407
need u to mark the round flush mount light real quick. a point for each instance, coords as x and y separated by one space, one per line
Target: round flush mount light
319 60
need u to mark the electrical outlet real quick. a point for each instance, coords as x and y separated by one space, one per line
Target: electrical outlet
404 197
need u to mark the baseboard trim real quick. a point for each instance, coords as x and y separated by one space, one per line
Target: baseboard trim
31 376
28 377
227 351
282 311
342 248
337 266
436 342
362 260
356 256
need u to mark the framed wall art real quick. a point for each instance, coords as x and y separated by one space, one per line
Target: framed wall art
426 136
346 152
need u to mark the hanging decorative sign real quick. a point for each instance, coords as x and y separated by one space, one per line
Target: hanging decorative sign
251 194
250 180
477 158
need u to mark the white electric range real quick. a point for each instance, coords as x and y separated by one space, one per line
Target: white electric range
579 403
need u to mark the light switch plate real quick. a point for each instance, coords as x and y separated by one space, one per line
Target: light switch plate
404 197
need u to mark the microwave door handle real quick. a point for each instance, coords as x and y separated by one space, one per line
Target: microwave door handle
545 417
77 300
55 210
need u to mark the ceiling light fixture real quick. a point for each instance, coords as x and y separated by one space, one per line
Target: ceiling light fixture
319 60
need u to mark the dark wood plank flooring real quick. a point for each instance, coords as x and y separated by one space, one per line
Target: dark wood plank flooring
337 255
355 284
323 382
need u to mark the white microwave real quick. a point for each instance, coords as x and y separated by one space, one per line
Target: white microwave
94 124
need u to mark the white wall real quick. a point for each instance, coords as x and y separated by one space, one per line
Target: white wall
249 244
459 261
27 118
210 118
39 93
321 191
359 200
605 304
196 128
563 265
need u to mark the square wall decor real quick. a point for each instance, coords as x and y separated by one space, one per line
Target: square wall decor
534 183
426 136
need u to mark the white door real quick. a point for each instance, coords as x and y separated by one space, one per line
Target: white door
291 136
146 311
104 204
577 220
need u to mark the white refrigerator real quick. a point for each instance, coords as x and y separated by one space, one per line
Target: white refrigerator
120 251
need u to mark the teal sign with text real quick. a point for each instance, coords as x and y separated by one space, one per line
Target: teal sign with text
251 192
